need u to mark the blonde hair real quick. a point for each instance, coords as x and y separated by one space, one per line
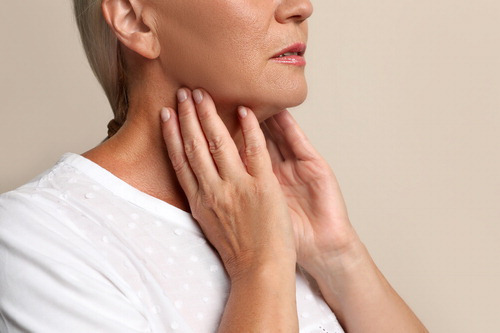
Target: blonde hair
104 55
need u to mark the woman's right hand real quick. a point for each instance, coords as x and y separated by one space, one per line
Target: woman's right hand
240 207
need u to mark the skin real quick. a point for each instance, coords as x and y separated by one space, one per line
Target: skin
241 210
221 45
225 47
228 45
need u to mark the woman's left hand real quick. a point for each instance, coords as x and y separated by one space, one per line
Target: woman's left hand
319 214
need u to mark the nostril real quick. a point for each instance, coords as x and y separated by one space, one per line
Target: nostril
298 10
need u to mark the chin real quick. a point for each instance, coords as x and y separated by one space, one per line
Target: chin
290 93
283 98
265 100
296 97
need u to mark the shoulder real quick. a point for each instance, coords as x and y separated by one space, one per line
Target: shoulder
54 199
35 210
41 219
52 278
43 193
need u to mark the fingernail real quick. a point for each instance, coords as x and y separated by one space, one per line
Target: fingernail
198 96
242 111
165 114
181 95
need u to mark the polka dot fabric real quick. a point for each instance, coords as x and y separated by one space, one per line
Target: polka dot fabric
146 255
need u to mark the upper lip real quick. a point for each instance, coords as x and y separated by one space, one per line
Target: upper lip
300 48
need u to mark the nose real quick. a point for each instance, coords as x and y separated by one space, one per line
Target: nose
293 10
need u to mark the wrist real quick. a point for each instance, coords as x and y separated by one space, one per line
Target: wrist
262 300
345 276
264 267
349 250
352 259
272 272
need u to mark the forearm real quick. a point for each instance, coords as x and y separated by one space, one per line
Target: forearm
262 301
361 297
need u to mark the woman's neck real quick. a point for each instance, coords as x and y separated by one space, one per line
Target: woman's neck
137 153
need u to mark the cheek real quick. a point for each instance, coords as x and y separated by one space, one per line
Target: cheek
195 40
225 48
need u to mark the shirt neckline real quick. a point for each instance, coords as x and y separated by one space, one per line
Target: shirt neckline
127 192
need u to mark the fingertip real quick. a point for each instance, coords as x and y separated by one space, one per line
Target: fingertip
182 95
248 118
281 114
197 96
242 112
165 114
284 116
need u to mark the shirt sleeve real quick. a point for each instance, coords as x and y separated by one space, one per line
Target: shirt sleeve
51 283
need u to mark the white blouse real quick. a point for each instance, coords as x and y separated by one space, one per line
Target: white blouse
83 251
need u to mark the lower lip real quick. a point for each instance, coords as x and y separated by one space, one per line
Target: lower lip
291 60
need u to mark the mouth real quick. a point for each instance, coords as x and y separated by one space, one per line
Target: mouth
297 49
292 55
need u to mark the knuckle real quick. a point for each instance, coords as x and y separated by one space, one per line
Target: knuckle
208 199
220 199
253 149
201 204
179 163
191 147
216 144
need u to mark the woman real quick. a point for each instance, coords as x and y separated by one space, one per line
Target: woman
191 217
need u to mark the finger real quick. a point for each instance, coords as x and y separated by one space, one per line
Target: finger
294 137
272 147
175 147
279 138
221 144
195 143
257 157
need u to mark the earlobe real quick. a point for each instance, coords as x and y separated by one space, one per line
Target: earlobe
126 19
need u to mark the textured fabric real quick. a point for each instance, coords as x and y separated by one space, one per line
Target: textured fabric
83 251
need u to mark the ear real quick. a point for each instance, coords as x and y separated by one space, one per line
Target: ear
132 26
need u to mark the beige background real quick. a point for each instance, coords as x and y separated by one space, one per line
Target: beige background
404 103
